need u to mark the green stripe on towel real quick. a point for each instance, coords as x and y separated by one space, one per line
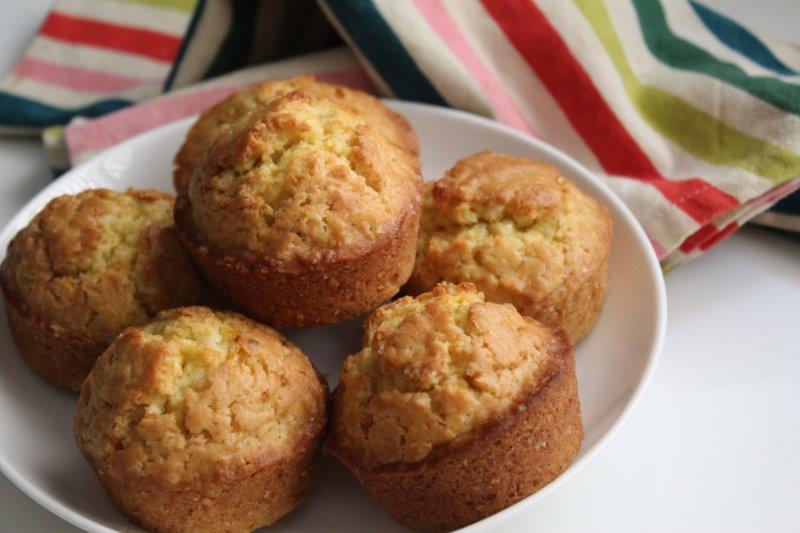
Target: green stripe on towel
696 131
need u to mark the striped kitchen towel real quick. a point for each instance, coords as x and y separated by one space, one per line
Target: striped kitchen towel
692 119
91 57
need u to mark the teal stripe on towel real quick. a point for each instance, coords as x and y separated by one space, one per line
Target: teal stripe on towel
377 42
17 111
679 53
187 39
740 39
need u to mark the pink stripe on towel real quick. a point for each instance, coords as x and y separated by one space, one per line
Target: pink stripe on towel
76 78
443 24
111 129
114 128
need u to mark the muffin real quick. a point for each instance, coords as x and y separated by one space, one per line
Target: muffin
219 118
202 421
302 213
87 266
455 408
522 233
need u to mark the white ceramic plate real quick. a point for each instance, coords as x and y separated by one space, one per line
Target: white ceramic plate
37 449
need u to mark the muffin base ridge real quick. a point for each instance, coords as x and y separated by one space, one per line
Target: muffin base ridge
314 294
514 456
60 357
280 487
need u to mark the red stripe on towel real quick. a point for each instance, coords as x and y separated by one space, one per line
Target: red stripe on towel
136 41
547 54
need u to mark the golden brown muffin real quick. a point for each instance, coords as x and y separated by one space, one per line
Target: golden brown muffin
219 118
522 233
303 214
455 408
202 421
87 266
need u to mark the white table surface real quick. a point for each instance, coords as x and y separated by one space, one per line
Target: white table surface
714 444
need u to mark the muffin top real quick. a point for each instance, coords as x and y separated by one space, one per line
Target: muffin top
98 261
218 118
198 395
301 180
434 370
515 227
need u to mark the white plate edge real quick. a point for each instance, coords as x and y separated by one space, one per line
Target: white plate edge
87 524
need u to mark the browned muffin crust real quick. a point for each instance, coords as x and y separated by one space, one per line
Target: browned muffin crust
310 293
202 421
522 233
87 266
456 408
303 214
55 353
218 119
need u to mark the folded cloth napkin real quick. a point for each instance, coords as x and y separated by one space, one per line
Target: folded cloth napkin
690 118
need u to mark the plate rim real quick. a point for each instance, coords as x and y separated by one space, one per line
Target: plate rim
77 519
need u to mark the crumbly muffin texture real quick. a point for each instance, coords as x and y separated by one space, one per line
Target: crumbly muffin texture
516 228
198 395
301 179
218 119
433 370
96 262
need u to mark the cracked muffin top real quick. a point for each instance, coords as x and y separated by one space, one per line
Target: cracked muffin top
436 368
514 227
197 395
302 180
98 261
219 118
